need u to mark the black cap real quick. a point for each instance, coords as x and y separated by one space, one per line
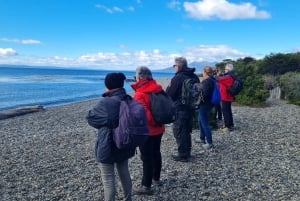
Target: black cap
114 80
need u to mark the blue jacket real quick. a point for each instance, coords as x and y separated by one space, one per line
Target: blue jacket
105 116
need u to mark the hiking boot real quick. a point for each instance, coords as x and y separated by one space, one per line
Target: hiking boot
207 146
198 140
180 158
143 190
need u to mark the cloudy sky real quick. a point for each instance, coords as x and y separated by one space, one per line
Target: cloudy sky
119 34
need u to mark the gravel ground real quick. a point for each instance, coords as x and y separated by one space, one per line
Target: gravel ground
49 155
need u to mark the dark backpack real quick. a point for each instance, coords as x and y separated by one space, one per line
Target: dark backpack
162 108
236 87
132 130
191 93
216 95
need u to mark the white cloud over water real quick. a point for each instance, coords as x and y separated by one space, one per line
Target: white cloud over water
155 59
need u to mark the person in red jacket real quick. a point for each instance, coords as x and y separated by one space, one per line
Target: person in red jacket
150 152
225 82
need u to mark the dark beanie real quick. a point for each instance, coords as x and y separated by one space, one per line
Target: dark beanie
114 80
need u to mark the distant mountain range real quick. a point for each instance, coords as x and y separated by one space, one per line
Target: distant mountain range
197 65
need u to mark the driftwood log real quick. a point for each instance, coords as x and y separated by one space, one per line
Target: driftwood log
20 111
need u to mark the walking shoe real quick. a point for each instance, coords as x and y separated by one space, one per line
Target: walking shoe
143 190
207 146
231 129
180 158
224 129
198 140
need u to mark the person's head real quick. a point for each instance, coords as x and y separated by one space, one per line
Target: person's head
114 80
180 63
228 68
208 72
142 72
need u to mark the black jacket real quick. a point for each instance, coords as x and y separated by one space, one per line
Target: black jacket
174 89
105 116
207 90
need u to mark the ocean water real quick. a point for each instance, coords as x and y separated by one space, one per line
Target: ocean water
53 87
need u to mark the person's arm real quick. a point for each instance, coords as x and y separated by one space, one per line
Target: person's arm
172 89
98 116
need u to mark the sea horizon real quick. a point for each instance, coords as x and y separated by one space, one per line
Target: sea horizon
49 87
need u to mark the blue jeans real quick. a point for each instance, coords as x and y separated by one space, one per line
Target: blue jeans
203 119
109 180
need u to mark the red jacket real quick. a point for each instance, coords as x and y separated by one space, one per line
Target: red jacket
142 89
225 82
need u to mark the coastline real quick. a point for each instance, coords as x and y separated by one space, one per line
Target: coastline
18 111
49 155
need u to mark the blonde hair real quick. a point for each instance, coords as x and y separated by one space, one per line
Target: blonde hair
208 70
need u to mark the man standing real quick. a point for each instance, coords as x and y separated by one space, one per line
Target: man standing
225 82
182 127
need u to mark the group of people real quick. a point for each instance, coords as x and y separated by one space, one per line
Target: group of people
104 116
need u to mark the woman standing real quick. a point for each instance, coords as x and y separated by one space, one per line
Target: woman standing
105 116
205 108
150 152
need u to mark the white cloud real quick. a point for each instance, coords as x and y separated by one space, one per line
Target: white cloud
154 59
114 9
24 41
174 5
7 52
131 8
213 53
222 9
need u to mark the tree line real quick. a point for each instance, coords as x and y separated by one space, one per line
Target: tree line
260 76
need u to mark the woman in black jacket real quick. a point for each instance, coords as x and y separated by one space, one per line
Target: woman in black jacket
205 108
105 116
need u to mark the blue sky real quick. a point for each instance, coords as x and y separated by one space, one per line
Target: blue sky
119 34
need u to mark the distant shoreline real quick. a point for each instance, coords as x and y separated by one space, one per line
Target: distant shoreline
26 109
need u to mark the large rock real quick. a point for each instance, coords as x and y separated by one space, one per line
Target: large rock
20 111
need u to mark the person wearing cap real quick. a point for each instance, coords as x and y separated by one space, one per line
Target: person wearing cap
225 82
150 152
105 116
182 127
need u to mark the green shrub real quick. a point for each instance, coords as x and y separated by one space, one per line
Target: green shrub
290 86
212 121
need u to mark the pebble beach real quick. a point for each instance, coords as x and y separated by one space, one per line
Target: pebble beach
49 155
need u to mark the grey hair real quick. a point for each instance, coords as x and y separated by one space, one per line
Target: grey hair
143 72
229 66
181 62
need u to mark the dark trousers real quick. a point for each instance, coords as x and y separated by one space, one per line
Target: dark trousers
218 112
182 129
152 161
227 114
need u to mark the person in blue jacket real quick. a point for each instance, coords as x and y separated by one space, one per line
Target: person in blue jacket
105 116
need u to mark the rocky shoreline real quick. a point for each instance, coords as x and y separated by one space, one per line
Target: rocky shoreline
49 155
